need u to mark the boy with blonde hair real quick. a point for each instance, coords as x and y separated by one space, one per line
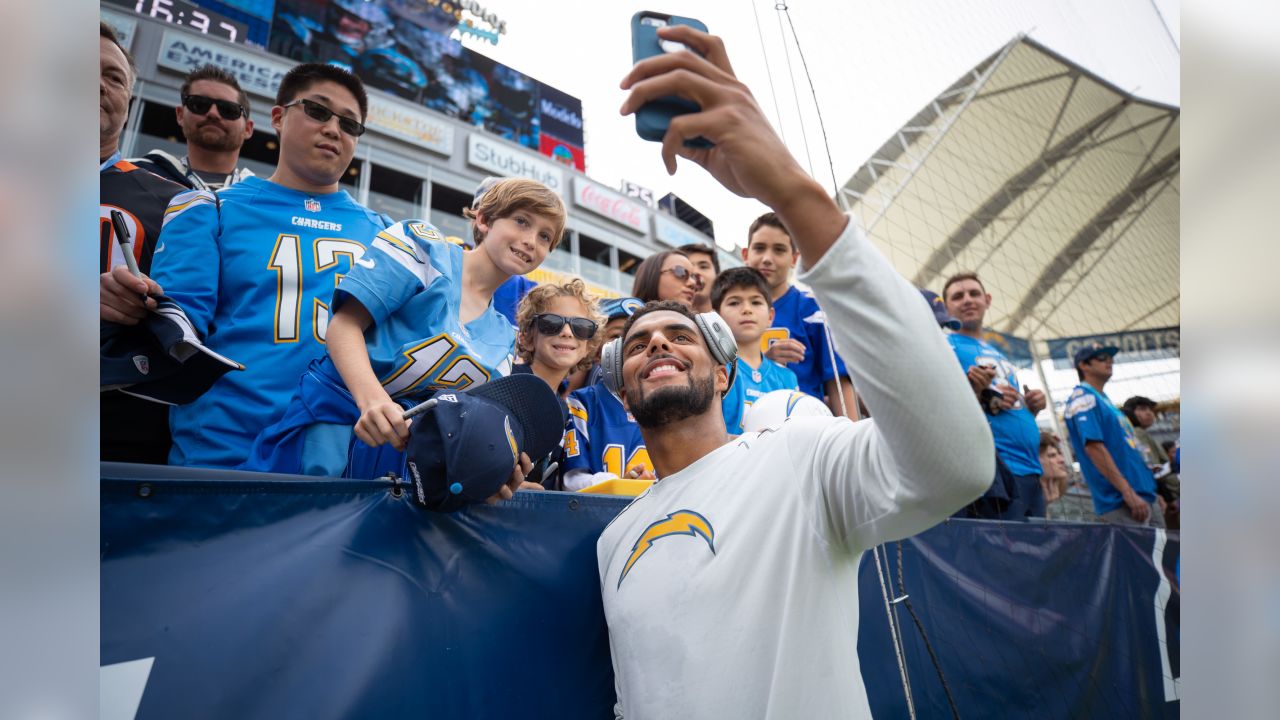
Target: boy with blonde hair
413 316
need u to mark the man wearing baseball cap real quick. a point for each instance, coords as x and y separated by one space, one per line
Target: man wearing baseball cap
1124 491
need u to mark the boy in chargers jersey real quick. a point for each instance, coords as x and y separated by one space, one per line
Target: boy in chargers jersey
602 441
798 338
254 266
413 316
558 332
741 296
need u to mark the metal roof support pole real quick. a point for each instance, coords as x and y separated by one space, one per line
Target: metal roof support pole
917 162
1054 420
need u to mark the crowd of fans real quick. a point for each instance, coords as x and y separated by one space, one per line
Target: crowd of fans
342 318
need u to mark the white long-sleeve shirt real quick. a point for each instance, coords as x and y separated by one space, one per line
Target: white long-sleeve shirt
730 587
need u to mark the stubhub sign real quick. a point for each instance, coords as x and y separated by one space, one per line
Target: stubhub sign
486 154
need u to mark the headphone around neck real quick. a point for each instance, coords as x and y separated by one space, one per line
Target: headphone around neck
716 333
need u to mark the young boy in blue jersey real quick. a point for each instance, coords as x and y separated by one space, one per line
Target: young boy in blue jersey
741 296
413 316
602 440
798 337
254 266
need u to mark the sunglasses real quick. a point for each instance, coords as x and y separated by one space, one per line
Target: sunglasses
200 105
551 324
321 114
683 274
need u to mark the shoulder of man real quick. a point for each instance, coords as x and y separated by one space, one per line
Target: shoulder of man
188 201
158 162
149 182
1080 401
807 306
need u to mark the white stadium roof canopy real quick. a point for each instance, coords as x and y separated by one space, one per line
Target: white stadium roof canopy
1058 188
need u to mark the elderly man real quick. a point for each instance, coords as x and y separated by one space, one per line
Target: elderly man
132 429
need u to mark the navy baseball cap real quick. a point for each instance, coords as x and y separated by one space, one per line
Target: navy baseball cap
620 307
1093 350
463 450
940 310
160 359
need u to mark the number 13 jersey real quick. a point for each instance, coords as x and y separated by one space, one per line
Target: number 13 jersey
410 281
255 270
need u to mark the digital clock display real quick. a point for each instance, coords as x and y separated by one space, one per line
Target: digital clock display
188 15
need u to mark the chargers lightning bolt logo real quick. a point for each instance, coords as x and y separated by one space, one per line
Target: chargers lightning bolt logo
680 522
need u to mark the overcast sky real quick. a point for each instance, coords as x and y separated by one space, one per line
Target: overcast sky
874 64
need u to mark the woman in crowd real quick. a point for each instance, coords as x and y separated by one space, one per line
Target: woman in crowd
668 275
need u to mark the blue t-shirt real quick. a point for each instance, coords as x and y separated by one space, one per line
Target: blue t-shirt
746 389
601 435
509 294
410 281
797 315
255 276
1091 416
1015 431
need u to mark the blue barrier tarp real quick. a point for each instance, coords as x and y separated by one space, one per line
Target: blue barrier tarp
257 596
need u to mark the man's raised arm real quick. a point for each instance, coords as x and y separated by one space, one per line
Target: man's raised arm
940 452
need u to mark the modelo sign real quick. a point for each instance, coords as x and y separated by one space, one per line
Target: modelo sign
486 154
607 203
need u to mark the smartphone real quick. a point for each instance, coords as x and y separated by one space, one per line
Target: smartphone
654 117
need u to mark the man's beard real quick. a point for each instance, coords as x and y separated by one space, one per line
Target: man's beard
214 139
673 403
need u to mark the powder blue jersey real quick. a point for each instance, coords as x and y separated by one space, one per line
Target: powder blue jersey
1091 416
254 273
797 316
746 389
601 435
410 281
1015 431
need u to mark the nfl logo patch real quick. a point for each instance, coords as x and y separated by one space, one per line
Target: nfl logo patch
312 205
143 363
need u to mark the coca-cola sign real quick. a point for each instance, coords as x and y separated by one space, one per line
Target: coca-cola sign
607 203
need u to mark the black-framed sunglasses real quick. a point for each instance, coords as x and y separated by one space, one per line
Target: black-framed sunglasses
321 114
683 274
552 324
199 104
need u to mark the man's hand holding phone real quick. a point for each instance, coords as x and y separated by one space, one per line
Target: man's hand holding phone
747 156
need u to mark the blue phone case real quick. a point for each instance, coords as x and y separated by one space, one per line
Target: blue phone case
654 117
